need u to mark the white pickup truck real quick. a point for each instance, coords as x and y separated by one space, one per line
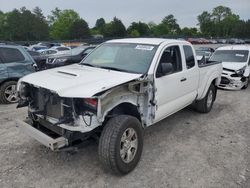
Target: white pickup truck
118 90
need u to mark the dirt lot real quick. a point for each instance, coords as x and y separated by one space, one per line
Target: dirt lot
187 149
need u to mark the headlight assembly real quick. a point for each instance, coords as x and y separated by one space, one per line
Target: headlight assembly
241 71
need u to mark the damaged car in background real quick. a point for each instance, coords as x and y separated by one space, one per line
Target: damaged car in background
236 66
118 90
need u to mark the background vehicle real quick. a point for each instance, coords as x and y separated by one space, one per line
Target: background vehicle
73 56
15 62
236 66
119 89
47 51
37 47
60 48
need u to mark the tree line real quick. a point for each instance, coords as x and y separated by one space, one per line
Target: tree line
31 25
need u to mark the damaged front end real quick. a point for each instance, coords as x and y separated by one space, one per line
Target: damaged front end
76 119
57 121
233 80
73 114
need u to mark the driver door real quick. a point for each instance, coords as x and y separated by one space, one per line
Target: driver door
170 92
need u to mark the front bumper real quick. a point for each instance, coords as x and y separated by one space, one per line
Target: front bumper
231 81
54 143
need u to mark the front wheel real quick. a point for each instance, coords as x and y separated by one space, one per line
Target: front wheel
8 93
205 105
120 144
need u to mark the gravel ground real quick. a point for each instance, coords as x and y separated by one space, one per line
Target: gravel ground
187 149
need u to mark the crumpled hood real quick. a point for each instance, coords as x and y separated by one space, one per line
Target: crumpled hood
78 81
233 65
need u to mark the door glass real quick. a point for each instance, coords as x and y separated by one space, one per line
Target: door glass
10 55
170 55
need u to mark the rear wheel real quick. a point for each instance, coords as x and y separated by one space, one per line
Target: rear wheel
8 92
205 105
121 143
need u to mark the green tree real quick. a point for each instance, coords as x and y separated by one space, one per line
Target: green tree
24 25
220 12
171 22
189 32
205 23
134 33
79 29
62 23
140 27
54 15
2 22
220 23
115 29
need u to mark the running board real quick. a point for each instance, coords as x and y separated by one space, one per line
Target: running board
52 143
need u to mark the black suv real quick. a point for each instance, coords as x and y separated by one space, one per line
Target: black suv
73 56
15 62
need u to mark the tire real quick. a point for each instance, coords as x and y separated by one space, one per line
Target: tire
8 93
205 105
247 82
116 152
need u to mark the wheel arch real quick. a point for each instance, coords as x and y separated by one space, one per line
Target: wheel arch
8 80
123 108
215 82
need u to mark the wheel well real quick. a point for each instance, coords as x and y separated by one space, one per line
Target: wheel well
124 109
9 79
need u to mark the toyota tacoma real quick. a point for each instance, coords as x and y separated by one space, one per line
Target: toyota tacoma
113 94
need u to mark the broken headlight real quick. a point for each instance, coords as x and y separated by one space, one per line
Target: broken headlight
241 71
85 105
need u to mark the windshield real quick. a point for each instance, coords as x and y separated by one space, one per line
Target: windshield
134 58
230 56
78 50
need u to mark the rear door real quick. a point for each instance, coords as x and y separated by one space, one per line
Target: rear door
3 70
17 62
171 90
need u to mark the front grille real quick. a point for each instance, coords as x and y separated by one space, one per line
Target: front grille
46 103
224 80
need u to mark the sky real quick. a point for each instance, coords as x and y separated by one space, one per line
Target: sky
185 11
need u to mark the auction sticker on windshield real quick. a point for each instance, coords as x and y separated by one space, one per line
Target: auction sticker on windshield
240 55
144 47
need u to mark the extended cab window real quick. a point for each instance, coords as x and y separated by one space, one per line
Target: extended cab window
10 55
171 58
189 55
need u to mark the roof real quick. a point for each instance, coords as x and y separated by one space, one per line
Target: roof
152 41
234 47
10 46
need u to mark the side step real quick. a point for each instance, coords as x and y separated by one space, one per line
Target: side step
52 143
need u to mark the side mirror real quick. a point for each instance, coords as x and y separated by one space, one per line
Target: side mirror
164 69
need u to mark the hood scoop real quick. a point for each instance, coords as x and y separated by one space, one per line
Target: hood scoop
67 73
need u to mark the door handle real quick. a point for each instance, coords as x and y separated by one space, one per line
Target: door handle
183 79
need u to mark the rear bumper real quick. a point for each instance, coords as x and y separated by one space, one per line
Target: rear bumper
43 138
